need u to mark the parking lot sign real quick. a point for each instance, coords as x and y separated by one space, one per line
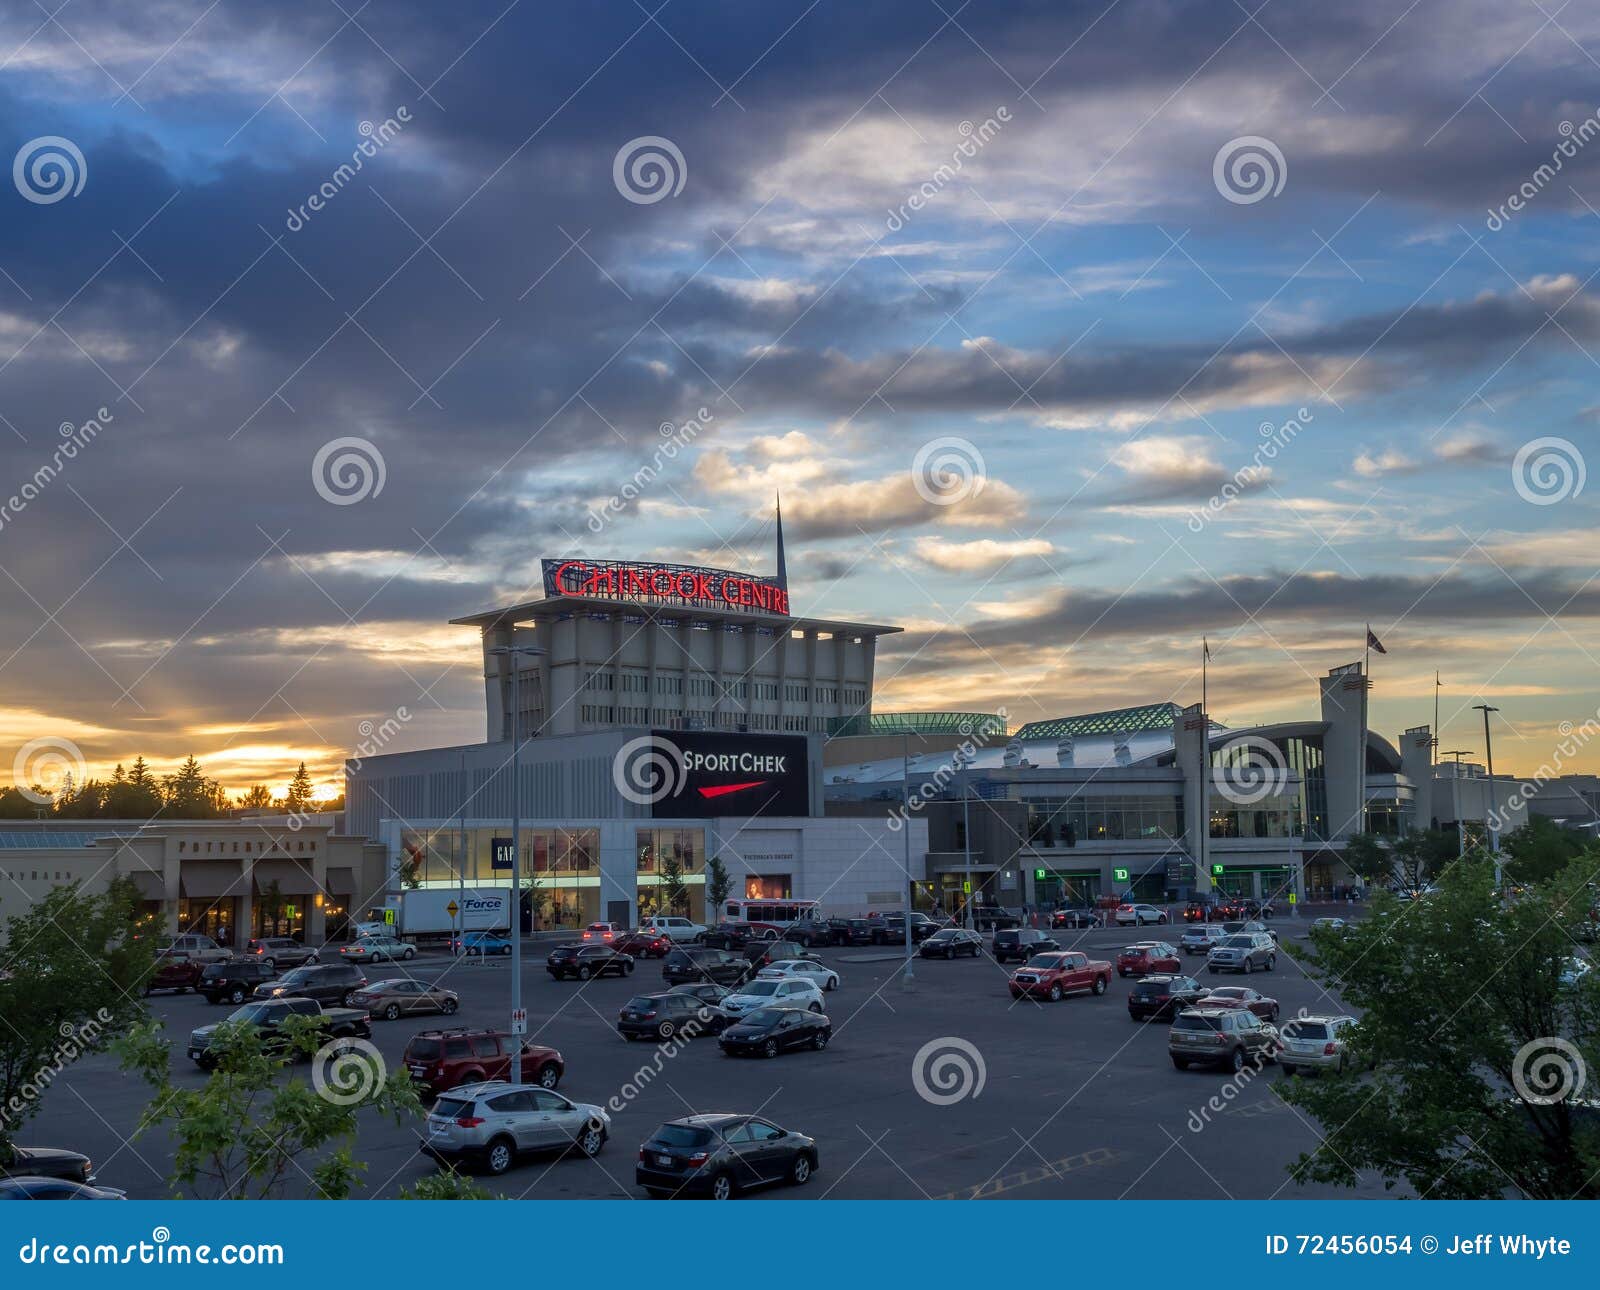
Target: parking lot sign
519 1021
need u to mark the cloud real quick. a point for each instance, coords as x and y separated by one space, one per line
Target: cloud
977 555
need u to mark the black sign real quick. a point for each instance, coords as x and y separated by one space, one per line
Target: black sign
691 774
501 854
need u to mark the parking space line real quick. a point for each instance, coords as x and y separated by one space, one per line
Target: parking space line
1038 1174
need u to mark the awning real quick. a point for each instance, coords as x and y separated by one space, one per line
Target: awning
290 877
152 886
341 882
212 879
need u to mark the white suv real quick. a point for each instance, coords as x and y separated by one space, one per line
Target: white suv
782 992
202 949
674 929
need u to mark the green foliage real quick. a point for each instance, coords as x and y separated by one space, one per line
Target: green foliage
257 798
1540 850
73 980
1368 860
673 888
1459 995
448 1185
247 1134
298 797
719 882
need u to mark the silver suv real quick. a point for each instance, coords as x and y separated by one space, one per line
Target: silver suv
1245 952
1231 1039
1200 938
1317 1043
492 1122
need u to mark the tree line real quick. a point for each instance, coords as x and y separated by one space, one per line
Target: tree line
139 793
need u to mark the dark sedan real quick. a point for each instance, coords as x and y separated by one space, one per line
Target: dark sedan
45 1162
682 966
1163 995
705 991
643 944
951 943
662 1016
766 1032
721 1155
585 961
1076 919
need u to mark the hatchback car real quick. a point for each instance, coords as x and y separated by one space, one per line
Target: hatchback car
1318 1043
585 961
766 1032
280 951
443 1059
1144 957
491 1123
663 1016
786 992
720 1156
233 981
723 967
327 983
1231 1038
401 996
1163 995
1247 952
606 932
1021 943
484 943
951 943
1139 915
705 991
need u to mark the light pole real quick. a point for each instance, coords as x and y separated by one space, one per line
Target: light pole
908 982
513 652
1493 806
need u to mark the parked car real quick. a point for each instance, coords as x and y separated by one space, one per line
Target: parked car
812 932
324 982
951 942
858 931
370 949
1075 918
729 936
786 992
1336 925
1144 957
1049 976
642 944
922 926
1318 1043
1021 943
45 1162
991 918
682 966
585 961
769 1031
280 951
234 980
819 974
200 948
34 1187
760 954
1163 995
707 992
1240 996
176 971
1246 952
1212 1037
662 1016
1238 927
1200 938
444 1059
677 929
484 943
266 1017
607 932
719 1156
1139 915
401 996
491 1123
1202 911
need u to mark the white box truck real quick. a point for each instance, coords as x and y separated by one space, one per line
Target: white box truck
426 912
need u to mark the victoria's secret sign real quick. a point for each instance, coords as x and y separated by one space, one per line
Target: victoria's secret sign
671 583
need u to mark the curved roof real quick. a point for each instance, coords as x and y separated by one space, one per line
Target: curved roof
987 724
1149 716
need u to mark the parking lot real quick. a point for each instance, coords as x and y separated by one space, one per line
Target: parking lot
1063 1100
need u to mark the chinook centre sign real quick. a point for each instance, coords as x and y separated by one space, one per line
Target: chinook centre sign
666 584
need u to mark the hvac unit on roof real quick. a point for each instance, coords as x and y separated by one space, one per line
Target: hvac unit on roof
1013 757
1123 753
1064 750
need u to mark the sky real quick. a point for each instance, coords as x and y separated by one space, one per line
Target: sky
1070 334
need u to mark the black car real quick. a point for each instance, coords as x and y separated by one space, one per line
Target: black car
952 942
812 932
721 1155
991 918
729 936
1075 918
585 961
859 931
234 980
766 1032
34 1187
1163 995
705 991
1021 943
324 982
760 954
682 966
45 1162
661 1016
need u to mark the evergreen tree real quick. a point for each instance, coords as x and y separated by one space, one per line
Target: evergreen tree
259 797
298 798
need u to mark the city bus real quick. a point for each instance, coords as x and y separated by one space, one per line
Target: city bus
772 915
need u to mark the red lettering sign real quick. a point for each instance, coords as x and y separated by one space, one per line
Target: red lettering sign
672 584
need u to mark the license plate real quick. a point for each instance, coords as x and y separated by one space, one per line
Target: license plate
664 1160
194 1054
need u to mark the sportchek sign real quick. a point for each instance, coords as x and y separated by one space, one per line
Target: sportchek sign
731 774
666 584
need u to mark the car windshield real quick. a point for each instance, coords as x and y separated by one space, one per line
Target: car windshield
297 977
766 1016
1306 1030
682 1135
1048 961
1237 943
422 1050
250 1012
1198 1021
946 935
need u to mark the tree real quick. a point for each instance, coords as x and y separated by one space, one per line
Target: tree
297 801
1367 858
446 1185
719 882
246 1134
1421 856
258 798
673 889
190 795
74 981
1540 850
1475 1040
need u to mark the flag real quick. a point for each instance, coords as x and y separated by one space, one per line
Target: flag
1206 645
1374 643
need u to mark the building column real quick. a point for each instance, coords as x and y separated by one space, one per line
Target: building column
172 891
316 922
244 926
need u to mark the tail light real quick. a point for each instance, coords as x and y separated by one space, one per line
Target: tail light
469 1121
1329 1049
699 1158
642 1153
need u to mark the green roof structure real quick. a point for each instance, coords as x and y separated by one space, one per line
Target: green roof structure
989 724
1151 716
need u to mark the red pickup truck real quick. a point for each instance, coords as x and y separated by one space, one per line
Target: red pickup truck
1049 976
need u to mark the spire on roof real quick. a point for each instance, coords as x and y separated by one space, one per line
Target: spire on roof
783 571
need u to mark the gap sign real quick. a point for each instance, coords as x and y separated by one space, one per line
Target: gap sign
500 854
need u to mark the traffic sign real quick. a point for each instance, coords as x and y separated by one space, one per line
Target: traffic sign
452 909
388 917
966 889
519 1021
1291 898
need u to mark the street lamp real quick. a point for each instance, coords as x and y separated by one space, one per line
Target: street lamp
908 982
1489 814
518 1028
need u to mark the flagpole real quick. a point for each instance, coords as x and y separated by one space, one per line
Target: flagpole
1205 772
1361 749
